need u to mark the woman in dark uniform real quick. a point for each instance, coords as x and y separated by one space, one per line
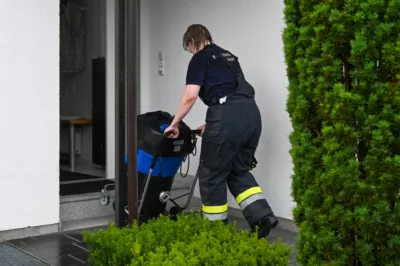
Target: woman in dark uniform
230 135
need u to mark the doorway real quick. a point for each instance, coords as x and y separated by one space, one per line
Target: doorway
83 97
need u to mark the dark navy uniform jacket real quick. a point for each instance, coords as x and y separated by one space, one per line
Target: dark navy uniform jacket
210 73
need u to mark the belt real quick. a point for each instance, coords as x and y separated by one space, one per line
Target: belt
215 100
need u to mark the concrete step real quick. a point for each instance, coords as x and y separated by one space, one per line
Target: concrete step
86 223
84 206
88 206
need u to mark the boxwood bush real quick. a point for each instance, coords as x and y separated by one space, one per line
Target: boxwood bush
343 66
188 241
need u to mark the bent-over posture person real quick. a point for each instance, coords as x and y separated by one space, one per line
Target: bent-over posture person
230 135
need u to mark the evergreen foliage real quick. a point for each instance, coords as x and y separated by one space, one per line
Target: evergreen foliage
343 66
189 241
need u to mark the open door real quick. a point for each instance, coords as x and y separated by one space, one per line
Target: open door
127 86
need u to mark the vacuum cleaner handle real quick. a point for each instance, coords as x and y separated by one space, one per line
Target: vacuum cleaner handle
166 135
195 131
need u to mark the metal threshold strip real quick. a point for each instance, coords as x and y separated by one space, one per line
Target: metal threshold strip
85 181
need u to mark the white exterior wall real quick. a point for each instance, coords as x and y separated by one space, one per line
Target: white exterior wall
252 31
29 113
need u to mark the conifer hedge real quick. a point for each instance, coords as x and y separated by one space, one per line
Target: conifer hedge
188 241
343 66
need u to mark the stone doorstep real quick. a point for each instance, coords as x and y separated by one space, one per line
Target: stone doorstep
85 206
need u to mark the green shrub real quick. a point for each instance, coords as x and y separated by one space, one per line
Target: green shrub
188 241
343 65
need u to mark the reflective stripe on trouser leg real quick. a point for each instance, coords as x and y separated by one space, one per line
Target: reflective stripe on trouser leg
215 213
253 205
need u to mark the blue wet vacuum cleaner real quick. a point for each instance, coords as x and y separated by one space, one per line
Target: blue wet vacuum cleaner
159 159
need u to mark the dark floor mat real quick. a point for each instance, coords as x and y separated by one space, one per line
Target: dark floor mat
11 256
66 176
80 188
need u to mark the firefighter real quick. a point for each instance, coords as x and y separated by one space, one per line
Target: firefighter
230 135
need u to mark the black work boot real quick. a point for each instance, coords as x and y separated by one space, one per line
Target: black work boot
265 225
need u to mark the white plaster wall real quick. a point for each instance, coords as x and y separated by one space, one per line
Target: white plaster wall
252 31
29 111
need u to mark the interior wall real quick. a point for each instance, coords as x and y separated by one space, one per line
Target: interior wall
76 89
252 31
29 110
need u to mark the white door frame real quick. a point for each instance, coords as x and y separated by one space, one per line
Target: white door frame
110 88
